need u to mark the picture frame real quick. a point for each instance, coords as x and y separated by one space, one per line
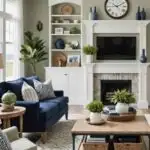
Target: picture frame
59 31
73 60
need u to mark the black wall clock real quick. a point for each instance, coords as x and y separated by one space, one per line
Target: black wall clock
117 8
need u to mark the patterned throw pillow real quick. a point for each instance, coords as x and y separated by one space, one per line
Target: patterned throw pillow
44 90
28 93
4 143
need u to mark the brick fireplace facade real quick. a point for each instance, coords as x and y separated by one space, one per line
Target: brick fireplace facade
133 77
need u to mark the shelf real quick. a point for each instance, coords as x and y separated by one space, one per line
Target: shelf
66 15
65 34
65 50
70 24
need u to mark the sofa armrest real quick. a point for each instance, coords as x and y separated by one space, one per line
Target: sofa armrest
11 133
59 93
32 109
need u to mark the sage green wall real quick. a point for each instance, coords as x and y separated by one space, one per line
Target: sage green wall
35 10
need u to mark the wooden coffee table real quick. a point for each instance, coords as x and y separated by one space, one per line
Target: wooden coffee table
7 116
139 126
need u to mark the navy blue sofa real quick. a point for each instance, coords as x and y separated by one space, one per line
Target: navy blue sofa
39 115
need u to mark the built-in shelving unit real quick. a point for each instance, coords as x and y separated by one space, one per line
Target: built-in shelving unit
66 23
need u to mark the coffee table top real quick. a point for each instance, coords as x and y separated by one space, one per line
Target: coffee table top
18 111
137 126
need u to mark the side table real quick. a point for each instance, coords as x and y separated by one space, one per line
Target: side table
7 116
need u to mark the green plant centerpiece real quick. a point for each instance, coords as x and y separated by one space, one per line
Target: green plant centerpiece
8 101
122 99
89 51
95 108
33 50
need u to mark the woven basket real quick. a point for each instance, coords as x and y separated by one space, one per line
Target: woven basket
122 117
95 146
129 146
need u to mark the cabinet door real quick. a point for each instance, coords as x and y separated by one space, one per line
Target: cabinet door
76 86
59 80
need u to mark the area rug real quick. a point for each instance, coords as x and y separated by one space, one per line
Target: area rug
60 137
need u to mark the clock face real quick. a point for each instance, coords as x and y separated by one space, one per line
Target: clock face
117 8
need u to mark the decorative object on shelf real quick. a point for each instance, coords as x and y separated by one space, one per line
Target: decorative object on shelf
56 21
33 51
94 14
90 14
8 101
143 57
95 108
73 60
143 14
138 14
67 9
76 21
39 26
66 32
89 51
59 59
66 21
74 30
123 98
122 8
60 44
59 31
75 44
68 47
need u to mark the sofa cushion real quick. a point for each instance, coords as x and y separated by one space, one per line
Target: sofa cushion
29 80
15 86
28 93
3 89
4 143
48 108
61 101
44 90
23 144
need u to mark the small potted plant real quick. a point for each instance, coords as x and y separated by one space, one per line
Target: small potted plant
122 99
95 108
8 101
89 51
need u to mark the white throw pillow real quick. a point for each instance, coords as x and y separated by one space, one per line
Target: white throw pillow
44 90
4 142
28 93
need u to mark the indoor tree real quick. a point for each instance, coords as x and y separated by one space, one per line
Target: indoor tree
33 50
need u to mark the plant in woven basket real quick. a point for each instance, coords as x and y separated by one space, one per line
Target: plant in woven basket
8 101
89 51
95 108
123 98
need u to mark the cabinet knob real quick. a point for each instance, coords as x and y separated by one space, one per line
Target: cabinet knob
65 74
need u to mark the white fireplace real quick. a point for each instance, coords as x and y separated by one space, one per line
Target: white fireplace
132 70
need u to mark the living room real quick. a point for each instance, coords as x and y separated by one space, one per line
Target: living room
74 74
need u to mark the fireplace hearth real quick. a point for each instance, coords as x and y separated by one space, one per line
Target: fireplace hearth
109 86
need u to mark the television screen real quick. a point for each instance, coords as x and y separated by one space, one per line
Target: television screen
116 48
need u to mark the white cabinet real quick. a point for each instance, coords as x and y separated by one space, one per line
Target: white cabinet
71 81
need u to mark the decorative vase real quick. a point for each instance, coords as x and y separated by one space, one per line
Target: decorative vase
138 14
143 14
60 44
94 14
143 57
95 117
7 108
89 59
90 14
122 108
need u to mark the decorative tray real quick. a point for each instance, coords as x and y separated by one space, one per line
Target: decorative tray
122 117
100 123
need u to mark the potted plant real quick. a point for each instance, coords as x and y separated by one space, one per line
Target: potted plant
33 50
89 51
95 108
8 101
122 99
